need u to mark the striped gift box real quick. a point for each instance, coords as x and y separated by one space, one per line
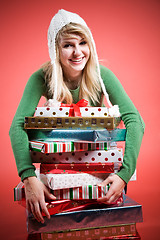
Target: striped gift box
84 192
58 147
19 193
79 193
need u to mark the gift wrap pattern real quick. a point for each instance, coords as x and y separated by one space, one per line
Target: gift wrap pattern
101 156
68 205
56 147
77 135
83 192
58 206
100 216
64 111
76 193
71 122
78 168
63 181
19 193
95 233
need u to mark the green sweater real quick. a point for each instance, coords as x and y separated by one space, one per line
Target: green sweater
36 88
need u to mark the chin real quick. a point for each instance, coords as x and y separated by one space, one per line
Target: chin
79 67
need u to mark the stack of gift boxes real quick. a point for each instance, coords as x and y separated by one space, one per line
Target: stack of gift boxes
76 147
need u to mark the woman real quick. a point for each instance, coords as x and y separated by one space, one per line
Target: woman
72 74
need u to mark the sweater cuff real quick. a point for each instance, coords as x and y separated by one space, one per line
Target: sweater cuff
28 173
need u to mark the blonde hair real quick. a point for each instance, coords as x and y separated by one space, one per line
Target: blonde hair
90 87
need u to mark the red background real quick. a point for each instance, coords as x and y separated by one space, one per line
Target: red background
127 35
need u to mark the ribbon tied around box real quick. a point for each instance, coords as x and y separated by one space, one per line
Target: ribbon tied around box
75 107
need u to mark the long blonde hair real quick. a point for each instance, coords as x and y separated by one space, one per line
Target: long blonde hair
90 87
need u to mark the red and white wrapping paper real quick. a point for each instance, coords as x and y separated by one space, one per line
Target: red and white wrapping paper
69 168
83 192
58 206
65 111
64 181
97 156
57 147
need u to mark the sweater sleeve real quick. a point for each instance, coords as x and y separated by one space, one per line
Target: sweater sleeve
33 91
133 122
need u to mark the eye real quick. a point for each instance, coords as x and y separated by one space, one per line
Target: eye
67 45
83 43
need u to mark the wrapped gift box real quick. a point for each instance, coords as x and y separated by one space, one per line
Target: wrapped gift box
71 122
58 206
19 193
69 168
99 135
124 230
80 236
52 111
65 181
130 212
97 156
81 193
77 193
67 205
67 111
57 147
78 205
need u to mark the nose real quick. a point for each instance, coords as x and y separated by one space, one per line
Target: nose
77 51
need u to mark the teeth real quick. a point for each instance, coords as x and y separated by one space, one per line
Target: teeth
77 60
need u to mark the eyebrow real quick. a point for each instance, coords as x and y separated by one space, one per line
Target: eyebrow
68 39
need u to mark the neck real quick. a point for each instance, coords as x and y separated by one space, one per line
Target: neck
72 82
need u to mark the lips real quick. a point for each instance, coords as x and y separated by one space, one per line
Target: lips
77 60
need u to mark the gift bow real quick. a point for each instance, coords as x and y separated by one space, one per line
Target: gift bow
75 108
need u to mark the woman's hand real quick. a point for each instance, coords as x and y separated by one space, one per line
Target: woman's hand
35 192
115 190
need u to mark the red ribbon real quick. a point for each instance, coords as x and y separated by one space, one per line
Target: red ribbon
75 108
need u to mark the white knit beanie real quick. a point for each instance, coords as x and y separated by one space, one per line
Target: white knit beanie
61 19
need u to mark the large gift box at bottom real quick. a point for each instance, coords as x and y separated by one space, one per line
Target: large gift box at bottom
124 231
129 212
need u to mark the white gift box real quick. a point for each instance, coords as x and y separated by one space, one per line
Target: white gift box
64 112
52 111
97 156
61 181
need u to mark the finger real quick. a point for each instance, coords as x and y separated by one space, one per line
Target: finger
105 198
108 195
33 212
112 199
49 195
108 199
37 212
44 209
105 182
28 206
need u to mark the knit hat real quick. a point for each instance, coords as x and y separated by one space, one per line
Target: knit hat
61 19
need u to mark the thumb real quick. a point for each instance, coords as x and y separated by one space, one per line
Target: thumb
49 195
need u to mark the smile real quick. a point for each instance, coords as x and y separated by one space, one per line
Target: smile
76 60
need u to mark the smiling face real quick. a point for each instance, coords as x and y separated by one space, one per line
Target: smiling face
74 53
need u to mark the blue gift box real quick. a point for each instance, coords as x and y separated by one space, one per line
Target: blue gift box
129 212
77 135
